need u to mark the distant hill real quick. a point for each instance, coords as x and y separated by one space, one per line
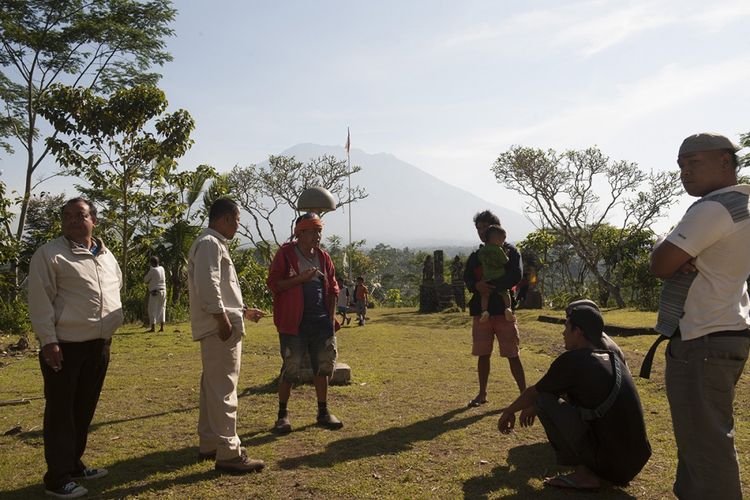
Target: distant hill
406 206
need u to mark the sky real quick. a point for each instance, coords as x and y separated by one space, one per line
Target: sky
448 86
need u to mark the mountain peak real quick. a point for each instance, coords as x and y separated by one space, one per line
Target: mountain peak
407 206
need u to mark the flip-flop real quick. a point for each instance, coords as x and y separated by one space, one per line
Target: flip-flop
564 481
476 402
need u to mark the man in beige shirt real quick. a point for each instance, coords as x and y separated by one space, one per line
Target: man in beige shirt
216 314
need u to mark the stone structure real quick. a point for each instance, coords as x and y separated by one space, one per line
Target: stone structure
457 283
434 293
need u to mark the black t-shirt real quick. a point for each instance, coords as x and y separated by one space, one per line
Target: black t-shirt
585 378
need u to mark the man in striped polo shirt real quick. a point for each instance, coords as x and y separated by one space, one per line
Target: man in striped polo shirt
704 310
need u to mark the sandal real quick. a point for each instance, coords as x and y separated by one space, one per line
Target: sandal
565 481
476 402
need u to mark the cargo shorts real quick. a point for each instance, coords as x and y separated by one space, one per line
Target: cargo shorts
315 338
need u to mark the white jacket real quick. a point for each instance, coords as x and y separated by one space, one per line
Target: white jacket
213 285
74 296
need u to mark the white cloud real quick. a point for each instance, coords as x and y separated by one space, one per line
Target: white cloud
591 27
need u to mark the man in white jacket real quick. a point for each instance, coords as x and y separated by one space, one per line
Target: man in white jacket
74 304
216 316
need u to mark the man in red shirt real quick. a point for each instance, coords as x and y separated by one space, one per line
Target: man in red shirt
303 281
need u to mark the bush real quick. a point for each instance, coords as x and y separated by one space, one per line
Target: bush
135 304
14 317
393 297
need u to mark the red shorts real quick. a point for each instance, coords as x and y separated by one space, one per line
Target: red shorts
483 336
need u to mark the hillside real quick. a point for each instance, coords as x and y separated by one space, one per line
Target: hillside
407 206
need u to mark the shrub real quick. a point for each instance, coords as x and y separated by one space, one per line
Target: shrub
14 317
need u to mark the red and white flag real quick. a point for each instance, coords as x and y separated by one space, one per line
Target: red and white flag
348 141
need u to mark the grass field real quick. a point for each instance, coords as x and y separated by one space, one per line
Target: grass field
407 432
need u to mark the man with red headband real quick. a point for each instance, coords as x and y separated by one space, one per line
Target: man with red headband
303 281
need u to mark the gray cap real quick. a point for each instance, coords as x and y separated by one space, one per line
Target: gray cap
706 141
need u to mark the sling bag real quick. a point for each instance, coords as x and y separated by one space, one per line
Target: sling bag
598 412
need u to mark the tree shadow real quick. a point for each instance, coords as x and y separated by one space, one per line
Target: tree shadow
525 463
386 442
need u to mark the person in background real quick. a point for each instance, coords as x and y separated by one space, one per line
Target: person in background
342 304
157 294
361 296
484 333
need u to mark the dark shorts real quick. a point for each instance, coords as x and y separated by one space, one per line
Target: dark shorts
314 338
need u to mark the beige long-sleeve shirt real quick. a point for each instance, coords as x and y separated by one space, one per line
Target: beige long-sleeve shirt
74 295
213 285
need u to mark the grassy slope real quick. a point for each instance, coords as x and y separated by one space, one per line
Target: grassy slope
407 432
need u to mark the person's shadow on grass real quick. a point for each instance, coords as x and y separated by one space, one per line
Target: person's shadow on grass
139 469
386 442
527 467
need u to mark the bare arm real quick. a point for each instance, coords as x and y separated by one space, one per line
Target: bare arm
508 417
667 259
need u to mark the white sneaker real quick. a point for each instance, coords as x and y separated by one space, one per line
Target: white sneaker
70 490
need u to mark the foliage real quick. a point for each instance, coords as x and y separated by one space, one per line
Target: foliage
745 143
252 275
393 297
266 192
126 165
622 256
174 244
358 261
399 269
101 45
42 224
8 245
14 316
576 192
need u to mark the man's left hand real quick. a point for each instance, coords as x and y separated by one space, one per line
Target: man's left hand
507 422
527 416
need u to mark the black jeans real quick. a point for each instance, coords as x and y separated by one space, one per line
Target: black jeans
71 396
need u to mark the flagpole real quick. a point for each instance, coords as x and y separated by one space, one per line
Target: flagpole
349 178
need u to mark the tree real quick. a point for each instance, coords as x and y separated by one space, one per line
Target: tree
100 44
184 227
42 224
577 191
267 192
110 144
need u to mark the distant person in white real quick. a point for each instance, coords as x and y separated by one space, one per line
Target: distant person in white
157 295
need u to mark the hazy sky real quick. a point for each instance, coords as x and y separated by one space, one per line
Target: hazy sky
447 86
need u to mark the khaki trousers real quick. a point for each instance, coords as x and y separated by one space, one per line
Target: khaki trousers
217 420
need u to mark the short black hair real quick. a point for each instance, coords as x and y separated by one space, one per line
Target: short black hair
495 229
154 261
487 217
79 199
307 215
360 278
221 207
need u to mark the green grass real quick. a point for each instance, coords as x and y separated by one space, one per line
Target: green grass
407 432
